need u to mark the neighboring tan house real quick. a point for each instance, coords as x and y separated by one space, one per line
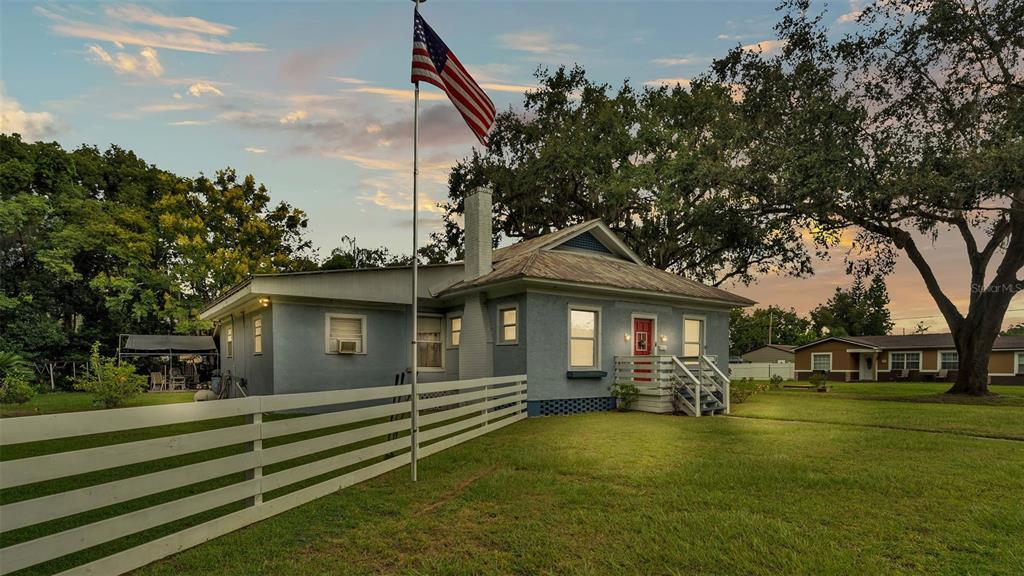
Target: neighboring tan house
773 353
910 357
559 308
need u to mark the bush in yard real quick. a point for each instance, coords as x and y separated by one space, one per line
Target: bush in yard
819 382
744 388
775 382
111 384
15 378
15 389
625 393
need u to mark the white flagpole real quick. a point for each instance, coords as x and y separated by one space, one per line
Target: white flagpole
415 425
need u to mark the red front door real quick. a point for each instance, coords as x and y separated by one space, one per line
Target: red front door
643 334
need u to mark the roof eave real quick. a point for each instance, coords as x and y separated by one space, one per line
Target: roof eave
540 282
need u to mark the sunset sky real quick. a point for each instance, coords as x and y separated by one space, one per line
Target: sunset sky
314 99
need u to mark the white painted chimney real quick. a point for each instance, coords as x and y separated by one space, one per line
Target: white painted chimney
477 240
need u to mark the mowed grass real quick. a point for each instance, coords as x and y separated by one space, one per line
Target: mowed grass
55 402
915 406
634 493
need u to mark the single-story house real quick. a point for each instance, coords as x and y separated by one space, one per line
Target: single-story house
558 307
773 353
908 357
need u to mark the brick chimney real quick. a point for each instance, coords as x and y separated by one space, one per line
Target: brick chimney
477 241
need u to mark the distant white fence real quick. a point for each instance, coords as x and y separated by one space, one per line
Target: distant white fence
376 428
761 370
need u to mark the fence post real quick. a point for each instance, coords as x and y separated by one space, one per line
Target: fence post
256 446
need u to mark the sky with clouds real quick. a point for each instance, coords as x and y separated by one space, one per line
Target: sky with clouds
314 99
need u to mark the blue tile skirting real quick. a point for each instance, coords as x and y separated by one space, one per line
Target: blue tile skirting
569 406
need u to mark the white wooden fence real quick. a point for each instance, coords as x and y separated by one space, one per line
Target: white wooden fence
373 424
761 370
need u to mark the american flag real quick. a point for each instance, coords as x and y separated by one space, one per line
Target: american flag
433 62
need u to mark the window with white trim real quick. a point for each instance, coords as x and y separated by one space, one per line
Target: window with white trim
583 339
693 337
905 361
257 335
1020 362
821 362
949 360
455 331
508 325
229 340
348 328
429 342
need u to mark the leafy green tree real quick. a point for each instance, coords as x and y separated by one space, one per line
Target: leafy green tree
1015 330
657 165
93 244
909 125
858 311
223 230
350 255
749 331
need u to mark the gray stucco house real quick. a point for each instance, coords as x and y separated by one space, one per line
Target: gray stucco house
558 307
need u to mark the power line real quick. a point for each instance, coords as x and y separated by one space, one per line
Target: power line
940 315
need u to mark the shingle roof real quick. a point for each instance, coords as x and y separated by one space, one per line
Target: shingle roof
595 270
911 341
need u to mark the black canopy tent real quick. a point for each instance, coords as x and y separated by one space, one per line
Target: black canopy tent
165 345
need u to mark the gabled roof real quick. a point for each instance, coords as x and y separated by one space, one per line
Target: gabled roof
913 341
537 259
552 240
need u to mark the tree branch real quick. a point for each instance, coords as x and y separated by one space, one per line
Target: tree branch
904 241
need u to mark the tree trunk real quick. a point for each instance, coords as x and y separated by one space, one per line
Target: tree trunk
974 340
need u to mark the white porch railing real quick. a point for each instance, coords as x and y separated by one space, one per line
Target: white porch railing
696 386
362 440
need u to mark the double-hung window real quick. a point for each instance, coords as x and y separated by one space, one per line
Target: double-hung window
454 331
821 362
905 361
257 335
508 325
429 342
1020 362
949 361
229 340
584 339
345 334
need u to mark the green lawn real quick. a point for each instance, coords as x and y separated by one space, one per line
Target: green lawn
54 402
846 490
639 493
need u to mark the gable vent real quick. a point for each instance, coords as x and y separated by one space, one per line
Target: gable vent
586 241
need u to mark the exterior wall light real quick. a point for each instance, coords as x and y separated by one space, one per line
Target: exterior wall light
664 338
628 336
264 302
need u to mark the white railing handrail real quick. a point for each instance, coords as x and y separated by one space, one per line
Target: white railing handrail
686 370
715 367
726 384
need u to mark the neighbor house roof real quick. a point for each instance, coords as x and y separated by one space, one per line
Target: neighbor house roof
780 347
912 341
536 259
165 342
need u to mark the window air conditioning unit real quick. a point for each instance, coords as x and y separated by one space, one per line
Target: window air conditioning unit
347 346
